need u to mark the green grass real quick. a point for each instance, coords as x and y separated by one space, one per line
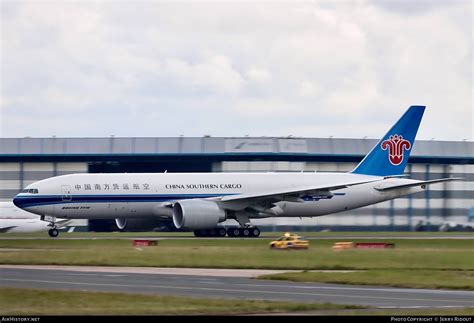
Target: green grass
433 279
43 302
16 301
439 254
431 263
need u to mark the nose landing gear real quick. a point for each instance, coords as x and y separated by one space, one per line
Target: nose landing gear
53 233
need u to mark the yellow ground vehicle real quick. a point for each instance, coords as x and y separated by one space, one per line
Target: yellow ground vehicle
290 241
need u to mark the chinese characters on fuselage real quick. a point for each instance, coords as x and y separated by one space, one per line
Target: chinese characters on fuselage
112 187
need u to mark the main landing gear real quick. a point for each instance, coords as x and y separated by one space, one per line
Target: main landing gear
246 232
245 229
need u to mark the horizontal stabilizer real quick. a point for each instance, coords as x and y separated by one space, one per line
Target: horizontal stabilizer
417 183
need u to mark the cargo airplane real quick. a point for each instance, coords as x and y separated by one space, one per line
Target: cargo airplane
202 201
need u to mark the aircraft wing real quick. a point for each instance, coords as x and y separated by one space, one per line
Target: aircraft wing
390 187
241 201
62 223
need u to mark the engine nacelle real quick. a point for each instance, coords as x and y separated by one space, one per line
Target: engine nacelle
143 224
197 214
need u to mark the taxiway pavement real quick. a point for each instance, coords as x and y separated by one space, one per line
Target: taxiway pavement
229 284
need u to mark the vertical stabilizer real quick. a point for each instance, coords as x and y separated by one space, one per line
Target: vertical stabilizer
390 155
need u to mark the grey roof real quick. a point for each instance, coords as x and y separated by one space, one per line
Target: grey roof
220 145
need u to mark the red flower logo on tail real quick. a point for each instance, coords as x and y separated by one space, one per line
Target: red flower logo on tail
396 146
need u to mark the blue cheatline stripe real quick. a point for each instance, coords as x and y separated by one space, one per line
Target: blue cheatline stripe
37 200
29 201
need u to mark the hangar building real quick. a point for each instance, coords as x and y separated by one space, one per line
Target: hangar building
26 160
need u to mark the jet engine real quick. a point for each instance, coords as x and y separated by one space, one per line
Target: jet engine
139 224
197 214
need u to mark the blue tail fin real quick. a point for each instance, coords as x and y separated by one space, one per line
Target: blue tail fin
390 155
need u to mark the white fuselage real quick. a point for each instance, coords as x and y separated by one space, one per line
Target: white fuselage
108 196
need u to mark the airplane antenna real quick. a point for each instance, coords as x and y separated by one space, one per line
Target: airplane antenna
166 171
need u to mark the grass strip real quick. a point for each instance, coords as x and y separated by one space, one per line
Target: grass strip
17 301
438 254
430 279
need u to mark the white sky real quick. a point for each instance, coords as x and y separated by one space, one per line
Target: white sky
309 69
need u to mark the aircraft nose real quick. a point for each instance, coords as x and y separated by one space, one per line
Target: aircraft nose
18 201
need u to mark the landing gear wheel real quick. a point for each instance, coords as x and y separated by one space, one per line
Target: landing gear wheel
197 233
211 232
233 232
254 232
246 232
216 232
200 233
53 233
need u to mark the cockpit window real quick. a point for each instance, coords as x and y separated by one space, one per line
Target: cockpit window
30 190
